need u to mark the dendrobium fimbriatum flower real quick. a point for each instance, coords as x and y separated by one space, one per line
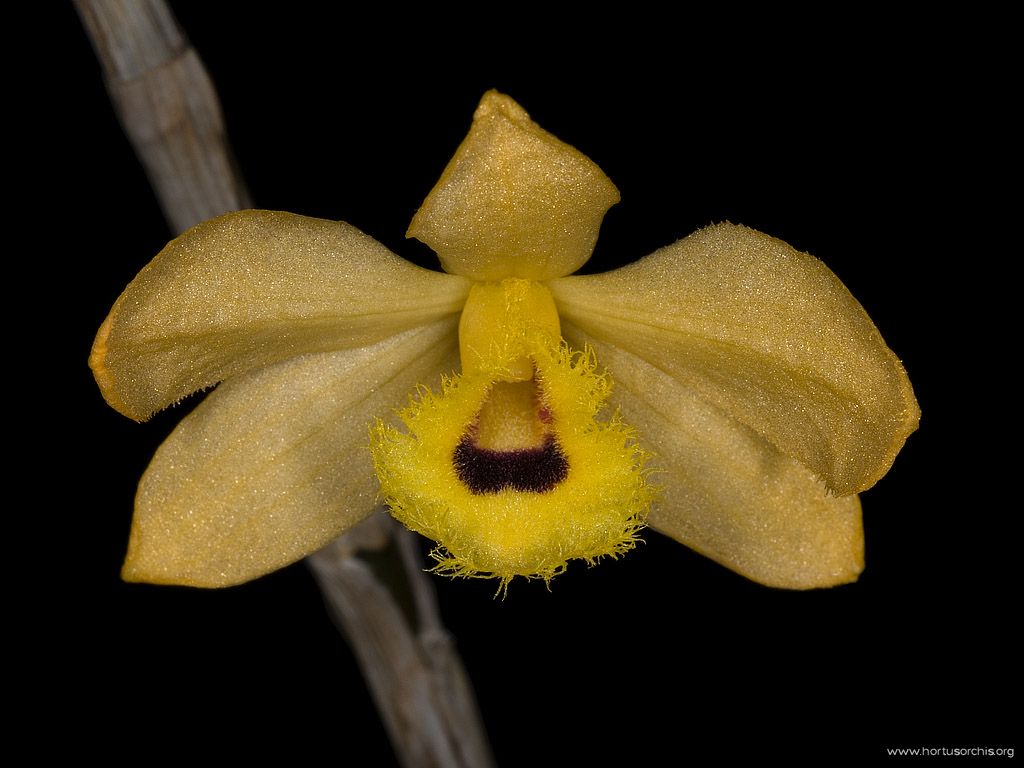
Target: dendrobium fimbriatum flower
726 390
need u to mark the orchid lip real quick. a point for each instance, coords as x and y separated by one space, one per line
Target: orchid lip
516 466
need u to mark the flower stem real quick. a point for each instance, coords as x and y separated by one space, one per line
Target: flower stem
168 106
421 688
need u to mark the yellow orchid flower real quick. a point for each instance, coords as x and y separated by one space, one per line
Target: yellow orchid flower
726 390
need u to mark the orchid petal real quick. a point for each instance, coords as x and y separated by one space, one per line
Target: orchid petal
514 201
765 333
275 463
253 288
728 493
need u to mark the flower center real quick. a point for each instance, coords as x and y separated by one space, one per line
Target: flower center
510 468
512 418
511 444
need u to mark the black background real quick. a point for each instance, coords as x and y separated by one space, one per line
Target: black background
839 139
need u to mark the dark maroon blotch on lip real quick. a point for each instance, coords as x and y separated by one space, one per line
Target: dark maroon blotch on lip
534 470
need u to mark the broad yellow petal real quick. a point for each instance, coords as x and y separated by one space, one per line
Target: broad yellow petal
765 333
726 492
276 463
514 201
253 288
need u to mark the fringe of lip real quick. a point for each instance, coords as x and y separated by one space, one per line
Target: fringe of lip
596 510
